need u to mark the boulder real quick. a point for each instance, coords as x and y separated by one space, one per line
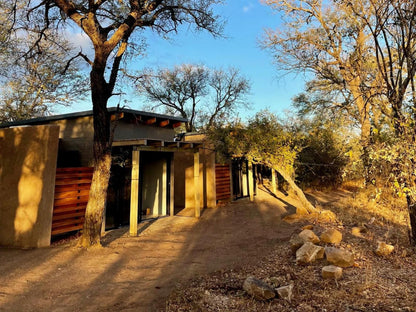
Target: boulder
285 292
276 281
358 231
258 289
308 227
331 272
295 242
308 253
331 236
384 249
339 257
327 216
309 236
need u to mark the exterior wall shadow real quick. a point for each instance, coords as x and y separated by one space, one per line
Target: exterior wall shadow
28 157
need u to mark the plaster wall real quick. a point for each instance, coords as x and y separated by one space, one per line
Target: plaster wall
28 157
76 144
154 185
77 135
138 131
184 179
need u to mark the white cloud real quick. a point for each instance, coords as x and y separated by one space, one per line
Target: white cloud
80 40
247 8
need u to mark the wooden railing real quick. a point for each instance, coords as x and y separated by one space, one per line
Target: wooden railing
72 188
223 182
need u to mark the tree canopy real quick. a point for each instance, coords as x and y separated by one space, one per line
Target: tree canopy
33 81
263 140
202 95
114 28
363 54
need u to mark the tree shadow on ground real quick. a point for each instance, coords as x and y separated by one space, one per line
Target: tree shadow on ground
138 273
290 209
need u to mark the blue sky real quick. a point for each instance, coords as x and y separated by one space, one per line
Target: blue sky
245 23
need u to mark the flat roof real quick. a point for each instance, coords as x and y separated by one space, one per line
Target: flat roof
156 144
136 113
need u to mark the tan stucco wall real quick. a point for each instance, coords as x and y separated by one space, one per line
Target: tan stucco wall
154 182
28 158
77 136
77 139
184 176
137 131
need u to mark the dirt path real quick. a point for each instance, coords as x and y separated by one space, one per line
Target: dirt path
138 273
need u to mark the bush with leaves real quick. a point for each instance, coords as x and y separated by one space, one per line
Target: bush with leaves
263 140
323 156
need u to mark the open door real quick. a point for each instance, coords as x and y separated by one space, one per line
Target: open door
154 192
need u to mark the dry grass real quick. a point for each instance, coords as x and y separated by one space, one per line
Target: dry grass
373 284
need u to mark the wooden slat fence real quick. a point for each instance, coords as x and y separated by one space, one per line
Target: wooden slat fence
72 188
223 182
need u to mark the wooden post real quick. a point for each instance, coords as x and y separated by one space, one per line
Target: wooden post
274 186
164 190
250 181
196 184
172 186
134 195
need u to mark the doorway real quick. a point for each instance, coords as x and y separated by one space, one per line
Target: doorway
117 211
154 184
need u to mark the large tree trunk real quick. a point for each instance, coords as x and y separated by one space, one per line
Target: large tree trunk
363 107
100 94
91 234
365 141
306 207
411 206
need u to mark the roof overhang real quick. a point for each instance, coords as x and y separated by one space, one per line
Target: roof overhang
158 145
129 115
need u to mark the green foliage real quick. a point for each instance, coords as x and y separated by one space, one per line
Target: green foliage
262 140
323 157
394 161
331 150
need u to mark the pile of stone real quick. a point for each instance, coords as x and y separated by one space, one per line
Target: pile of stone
304 245
308 247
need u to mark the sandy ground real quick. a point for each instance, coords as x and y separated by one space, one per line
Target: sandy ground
138 273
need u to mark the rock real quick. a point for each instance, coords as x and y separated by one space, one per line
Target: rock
309 236
358 231
327 216
308 227
295 242
276 281
331 236
292 218
331 272
384 249
285 292
339 257
308 253
258 289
